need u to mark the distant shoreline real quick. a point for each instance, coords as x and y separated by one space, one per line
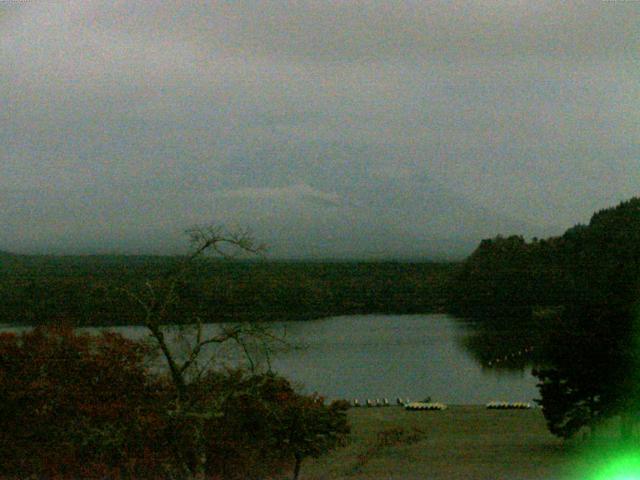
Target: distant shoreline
89 291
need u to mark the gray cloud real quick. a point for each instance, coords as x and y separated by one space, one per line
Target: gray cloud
330 128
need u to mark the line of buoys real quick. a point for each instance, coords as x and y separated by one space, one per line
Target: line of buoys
508 406
496 361
425 406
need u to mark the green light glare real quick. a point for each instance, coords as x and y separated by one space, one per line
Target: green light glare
624 465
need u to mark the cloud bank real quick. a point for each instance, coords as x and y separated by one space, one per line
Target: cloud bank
332 129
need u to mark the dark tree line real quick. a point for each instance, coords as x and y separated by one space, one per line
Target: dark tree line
580 293
86 290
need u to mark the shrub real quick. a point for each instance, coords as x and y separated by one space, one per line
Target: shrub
77 406
82 406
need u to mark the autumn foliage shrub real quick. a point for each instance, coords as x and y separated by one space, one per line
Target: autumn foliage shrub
77 406
81 406
265 426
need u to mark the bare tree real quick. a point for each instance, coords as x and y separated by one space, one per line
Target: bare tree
156 303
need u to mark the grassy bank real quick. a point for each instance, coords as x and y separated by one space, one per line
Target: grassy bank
462 442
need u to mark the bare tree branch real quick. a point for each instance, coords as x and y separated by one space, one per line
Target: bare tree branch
197 348
157 302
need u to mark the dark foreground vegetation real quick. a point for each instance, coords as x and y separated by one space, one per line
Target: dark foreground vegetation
575 299
89 290
79 406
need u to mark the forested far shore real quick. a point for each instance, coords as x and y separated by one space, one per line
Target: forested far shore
576 299
509 277
94 290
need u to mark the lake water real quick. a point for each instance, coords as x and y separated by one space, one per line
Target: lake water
377 356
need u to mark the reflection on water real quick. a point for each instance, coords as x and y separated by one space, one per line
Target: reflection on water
501 346
377 356
415 356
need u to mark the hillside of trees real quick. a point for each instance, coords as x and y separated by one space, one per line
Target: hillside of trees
89 290
576 298
508 277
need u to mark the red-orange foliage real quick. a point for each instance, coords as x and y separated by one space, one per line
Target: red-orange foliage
265 426
77 406
81 406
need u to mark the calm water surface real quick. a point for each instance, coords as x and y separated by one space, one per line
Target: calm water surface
377 356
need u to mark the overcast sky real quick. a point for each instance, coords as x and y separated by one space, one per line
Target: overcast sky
330 128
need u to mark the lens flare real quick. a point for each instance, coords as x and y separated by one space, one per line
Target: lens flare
621 465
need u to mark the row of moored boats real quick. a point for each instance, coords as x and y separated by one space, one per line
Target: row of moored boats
508 406
428 405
